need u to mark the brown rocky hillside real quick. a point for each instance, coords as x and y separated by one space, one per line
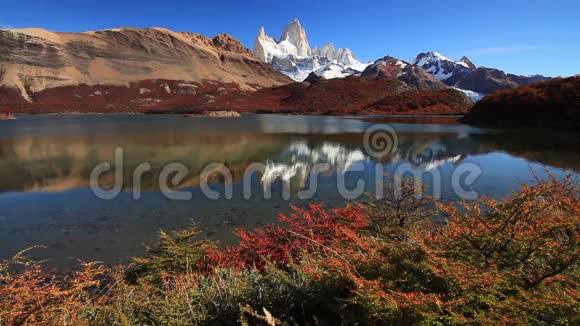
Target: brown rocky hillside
33 61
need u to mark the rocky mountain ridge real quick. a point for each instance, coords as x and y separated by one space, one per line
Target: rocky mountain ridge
465 75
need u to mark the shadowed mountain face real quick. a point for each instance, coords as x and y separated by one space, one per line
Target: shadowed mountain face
35 60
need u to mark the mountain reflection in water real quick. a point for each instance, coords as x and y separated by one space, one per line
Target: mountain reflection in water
57 164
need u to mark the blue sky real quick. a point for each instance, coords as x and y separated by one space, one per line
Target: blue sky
523 37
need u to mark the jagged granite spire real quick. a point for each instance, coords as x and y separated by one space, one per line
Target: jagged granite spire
265 47
327 51
296 35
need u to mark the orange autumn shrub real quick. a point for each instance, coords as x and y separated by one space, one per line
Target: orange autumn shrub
30 296
517 257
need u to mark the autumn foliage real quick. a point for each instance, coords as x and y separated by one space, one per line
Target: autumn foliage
551 103
350 95
398 260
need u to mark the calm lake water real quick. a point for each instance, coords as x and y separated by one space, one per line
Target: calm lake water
46 161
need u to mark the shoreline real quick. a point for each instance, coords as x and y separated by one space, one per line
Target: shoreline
415 118
370 116
7 116
446 119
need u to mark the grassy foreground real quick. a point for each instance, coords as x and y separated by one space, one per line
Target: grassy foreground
399 260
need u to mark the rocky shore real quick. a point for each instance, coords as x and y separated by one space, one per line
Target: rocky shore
7 116
213 114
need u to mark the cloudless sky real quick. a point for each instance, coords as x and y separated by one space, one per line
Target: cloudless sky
523 37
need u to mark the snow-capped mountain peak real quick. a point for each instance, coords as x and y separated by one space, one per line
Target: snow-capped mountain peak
345 57
293 56
327 51
433 57
441 66
265 47
438 56
463 74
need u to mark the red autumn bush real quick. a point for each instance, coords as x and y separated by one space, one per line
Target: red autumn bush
310 230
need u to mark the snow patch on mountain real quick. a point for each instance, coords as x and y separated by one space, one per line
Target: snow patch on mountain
439 73
335 70
293 56
473 96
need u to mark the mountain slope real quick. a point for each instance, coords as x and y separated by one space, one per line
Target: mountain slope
293 56
36 60
349 95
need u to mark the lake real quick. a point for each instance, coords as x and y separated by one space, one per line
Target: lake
46 162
